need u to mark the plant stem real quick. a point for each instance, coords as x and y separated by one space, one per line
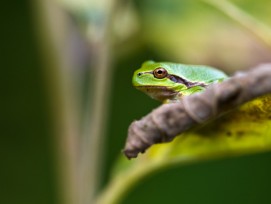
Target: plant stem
62 95
256 27
94 130
96 117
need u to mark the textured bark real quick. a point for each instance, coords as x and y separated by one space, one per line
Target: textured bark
170 120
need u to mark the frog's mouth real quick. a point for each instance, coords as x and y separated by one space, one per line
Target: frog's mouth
160 93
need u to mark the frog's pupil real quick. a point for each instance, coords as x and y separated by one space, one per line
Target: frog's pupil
160 71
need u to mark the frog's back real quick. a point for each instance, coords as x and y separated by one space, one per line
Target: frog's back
196 73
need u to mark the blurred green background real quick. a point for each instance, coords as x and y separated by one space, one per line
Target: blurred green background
182 31
27 160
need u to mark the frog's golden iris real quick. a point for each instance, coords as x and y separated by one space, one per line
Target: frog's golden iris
160 73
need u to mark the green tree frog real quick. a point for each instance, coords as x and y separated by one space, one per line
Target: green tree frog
169 82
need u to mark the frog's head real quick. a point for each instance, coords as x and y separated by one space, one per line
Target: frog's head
157 79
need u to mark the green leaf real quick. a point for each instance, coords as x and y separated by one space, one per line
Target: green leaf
242 131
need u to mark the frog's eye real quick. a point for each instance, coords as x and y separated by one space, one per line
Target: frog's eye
160 73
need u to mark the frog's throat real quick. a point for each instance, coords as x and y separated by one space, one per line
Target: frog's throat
160 93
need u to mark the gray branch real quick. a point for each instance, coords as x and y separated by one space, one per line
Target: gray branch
170 120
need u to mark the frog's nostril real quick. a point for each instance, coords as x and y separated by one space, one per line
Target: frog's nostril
139 74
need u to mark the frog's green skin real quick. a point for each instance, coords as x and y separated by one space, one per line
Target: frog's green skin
181 80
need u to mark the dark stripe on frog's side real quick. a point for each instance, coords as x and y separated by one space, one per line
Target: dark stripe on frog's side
181 80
